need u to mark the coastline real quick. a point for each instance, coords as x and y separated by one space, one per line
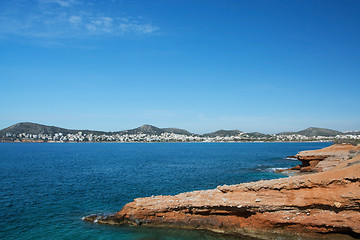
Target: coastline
325 201
319 141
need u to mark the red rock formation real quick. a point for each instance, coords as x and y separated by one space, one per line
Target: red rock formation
329 157
306 205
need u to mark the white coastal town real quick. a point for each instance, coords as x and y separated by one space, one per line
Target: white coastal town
170 137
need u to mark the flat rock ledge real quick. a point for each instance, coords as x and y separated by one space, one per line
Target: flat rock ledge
326 158
311 206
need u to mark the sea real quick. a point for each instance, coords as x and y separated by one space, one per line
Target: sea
46 188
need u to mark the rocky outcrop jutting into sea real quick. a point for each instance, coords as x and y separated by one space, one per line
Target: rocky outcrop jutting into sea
306 205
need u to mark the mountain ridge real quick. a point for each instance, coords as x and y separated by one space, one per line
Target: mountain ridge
315 131
223 133
35 128
152 130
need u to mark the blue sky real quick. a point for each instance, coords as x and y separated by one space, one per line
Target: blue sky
252 65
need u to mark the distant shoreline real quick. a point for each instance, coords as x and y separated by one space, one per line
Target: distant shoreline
176 142
33 132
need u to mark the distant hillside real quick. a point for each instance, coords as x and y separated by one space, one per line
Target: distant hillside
152 130
148 129
352 133
313 131
223 133
177 131
35 128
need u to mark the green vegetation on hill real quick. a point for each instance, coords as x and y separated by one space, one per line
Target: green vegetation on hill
313 132
223 133
35 129
152 130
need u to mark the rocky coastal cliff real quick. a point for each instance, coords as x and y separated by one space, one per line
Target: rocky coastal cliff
314 205
326 158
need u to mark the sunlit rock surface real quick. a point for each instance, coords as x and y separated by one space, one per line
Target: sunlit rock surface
309 206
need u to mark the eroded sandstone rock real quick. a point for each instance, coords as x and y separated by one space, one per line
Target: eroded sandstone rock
305 205
326 158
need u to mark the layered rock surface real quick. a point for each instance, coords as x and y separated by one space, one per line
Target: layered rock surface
306 205
326 158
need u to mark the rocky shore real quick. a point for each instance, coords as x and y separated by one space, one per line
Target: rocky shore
316 205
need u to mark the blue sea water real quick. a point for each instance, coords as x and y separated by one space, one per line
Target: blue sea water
46 188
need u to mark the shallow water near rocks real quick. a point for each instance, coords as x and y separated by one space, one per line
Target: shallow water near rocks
46 188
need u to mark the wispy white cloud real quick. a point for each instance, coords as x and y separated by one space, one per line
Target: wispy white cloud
137 28
75 20
53 19
100 25
62 3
